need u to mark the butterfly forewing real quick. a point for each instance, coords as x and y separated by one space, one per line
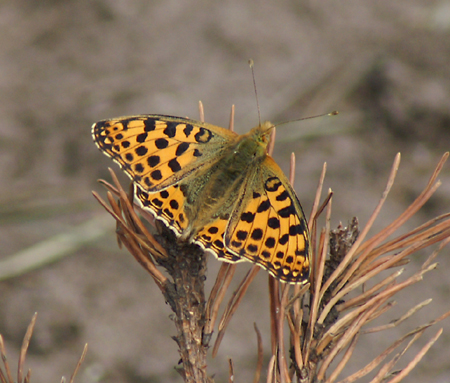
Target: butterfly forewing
157 151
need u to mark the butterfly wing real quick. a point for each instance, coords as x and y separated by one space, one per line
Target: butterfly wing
167 205
268 226
211 238
158 151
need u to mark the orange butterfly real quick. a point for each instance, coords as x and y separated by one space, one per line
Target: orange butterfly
213 187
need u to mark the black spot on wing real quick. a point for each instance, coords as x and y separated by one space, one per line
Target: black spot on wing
252 248
181 148
188 130
273 223
164 194
203 136
141 137
149 125
125 123
284 239
236 244
270 242
156 175
283 196
138 168
168 213
141 150
171 129
257 234
287 211
161 143
148 182
296 229
241 235
272 184
213 230
248 217
153 161
174 165
264 206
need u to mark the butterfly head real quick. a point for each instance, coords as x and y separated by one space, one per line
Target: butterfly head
262 133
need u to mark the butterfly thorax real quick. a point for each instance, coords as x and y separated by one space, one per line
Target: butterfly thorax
215 192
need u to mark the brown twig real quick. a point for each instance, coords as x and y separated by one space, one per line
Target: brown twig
260 353
233 305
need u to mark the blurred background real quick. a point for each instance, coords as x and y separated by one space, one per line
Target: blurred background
67 64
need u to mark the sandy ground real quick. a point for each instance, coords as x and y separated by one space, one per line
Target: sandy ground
66 64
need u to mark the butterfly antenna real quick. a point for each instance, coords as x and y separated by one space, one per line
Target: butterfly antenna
250 63
333 113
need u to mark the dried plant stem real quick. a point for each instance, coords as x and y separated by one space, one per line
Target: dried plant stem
231 125
80 361
282 360
233 305
271 370
342 363
416 359
7 376
186 298
362 236
274 302
318 279
347 337
368 293
24 348
217 295
259 364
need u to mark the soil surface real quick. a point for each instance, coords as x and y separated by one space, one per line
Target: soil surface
67 64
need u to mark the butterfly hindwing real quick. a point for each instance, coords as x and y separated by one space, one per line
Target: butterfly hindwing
157 151
167 205
268 226
211 239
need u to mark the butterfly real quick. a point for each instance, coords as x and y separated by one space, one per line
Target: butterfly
213 187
